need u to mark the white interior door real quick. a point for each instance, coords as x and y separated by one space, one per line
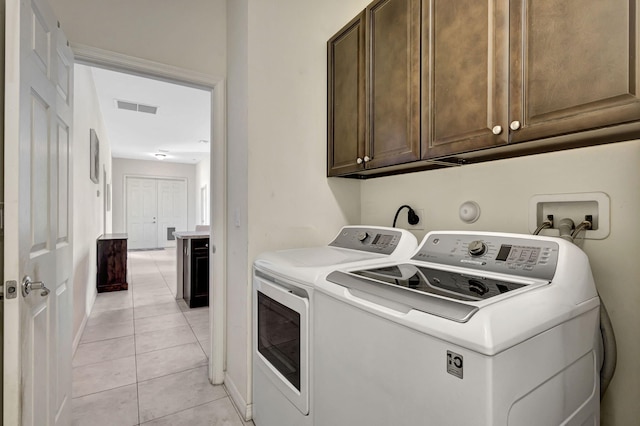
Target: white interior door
153 207
38 122
172 210
142 213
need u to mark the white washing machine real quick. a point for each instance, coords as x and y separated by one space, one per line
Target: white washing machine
480 329
283 283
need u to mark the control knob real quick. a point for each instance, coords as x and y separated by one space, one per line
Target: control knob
362 235
477 248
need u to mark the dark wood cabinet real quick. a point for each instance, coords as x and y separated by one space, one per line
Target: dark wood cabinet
374 89
480 80
574 66
112 263
464 76
346 98
196 280
393 84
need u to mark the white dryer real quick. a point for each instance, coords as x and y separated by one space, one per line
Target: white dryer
283 283
480 329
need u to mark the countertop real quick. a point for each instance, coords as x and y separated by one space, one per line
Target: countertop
113 237
191 234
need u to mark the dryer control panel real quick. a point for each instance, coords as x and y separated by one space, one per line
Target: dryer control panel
372 240
528 257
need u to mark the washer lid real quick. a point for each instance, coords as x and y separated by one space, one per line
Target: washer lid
316 257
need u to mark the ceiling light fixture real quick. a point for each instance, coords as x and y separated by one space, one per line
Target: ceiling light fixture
160 156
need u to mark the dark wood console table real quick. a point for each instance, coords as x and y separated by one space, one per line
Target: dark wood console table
112 263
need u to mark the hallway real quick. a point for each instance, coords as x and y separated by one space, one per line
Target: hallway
142 358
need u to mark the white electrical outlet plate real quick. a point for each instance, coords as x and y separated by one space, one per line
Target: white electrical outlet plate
404 224
574 207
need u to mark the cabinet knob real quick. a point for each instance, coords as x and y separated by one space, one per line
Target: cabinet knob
366 159
515 125
359 160
497 130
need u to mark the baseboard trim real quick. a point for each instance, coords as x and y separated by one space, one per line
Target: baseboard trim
83 324
245 410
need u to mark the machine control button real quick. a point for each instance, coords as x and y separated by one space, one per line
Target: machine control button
362 235
477 248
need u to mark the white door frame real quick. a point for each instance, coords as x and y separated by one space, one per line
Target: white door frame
217 181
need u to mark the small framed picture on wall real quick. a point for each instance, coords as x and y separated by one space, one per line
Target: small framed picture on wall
94 150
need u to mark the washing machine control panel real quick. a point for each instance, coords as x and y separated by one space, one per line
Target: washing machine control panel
372 240
527 257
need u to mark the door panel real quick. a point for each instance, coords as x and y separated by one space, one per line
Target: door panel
557 50
393 86
346 98
38 123
142 205
172 209
464 76
63 183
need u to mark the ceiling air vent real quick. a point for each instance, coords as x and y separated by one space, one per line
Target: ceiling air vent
131 106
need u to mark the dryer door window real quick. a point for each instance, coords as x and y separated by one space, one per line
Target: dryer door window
279 337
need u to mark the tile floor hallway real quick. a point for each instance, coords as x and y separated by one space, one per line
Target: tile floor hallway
142 358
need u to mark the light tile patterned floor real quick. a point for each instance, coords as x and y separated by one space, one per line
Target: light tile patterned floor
142 359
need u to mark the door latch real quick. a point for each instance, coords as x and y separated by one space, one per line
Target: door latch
9 290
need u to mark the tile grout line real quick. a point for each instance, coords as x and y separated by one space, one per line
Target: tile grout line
135 349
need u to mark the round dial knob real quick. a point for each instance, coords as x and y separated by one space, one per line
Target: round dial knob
362 235
477 248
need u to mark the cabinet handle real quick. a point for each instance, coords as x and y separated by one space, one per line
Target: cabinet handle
359 160
366 159
497 130
515 125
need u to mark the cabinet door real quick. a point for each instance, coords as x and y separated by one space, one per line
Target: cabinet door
346 99
393 84
574 66
464 76
199 273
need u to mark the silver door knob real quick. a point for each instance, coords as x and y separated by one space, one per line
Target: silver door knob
515 125
359 160
497 130
366 159
28 286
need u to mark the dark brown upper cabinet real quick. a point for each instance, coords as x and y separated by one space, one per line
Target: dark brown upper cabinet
417 84
464 76
346 99
574 66
393 82
374 89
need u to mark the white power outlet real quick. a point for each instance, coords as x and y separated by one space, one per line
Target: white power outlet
403 223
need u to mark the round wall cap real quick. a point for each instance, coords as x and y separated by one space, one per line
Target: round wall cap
469 211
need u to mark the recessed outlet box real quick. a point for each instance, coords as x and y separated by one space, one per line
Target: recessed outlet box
403 223
574 207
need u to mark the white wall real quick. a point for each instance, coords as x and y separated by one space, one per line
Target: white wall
88 207
203 176
154 168
503 189
277 135
188 35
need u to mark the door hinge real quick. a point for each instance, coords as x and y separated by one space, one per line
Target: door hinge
10 290
1 219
